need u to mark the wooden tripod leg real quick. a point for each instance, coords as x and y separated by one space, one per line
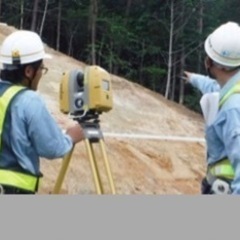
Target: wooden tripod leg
107 166
95 171
62 173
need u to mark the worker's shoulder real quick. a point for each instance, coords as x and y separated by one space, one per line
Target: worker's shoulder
28 96
232 102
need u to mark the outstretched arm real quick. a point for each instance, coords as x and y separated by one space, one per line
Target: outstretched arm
203 83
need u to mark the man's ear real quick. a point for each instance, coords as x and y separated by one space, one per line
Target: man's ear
29 71
208 62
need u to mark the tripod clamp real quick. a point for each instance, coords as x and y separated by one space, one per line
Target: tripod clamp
91 127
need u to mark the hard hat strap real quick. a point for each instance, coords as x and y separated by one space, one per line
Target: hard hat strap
11 67
16 61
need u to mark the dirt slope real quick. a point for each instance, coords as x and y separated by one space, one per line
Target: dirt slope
138 166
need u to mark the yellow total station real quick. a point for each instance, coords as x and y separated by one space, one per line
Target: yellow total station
85 95
88 90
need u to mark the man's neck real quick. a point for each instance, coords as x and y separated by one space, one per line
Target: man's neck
224 76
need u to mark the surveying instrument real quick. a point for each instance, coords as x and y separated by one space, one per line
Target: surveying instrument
84 95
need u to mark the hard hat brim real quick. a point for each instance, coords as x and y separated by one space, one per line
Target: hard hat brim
224 61
47 56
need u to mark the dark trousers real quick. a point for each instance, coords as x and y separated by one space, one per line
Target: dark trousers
13 190
206 188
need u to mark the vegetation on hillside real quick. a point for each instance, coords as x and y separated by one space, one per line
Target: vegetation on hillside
150 42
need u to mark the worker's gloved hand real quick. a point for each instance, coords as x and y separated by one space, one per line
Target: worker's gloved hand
76 133
220 186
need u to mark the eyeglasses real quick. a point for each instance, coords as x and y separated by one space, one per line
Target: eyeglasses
44 70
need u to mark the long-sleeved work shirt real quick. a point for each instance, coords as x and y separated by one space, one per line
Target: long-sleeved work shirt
223 135
30 132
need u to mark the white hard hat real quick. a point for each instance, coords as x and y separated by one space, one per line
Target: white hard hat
223 45
22 47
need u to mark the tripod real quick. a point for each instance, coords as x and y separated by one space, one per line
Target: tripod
93 134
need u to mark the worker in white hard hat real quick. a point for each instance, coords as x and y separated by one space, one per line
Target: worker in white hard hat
27 130
223 132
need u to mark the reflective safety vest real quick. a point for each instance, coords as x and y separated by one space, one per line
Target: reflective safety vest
233 90
8 177
223 168
5 100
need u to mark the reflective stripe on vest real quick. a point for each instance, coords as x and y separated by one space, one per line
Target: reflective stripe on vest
233 90
18 180
5 99
7 177
224 167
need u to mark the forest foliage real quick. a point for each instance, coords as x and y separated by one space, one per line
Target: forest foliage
149 42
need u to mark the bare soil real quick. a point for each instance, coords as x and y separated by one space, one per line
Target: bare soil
139 166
